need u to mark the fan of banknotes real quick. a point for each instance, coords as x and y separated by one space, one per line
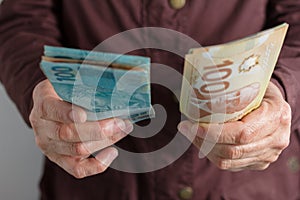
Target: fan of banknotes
105 84
221 83
225 82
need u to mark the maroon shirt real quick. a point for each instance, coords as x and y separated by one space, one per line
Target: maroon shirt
27 25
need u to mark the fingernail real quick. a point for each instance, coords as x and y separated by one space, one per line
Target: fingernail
129 126
110 157
201 155
124 125
183 128
120 124
77 117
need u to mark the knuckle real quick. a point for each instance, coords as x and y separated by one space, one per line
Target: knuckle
31 115
223 164
262 167
269 158
33 120
79 149
37 91
283 143
44 107
41 144
246 135
233 152
273 159
58 132
100 167
59 115
49 108
39 97
286 115
64 133
78 172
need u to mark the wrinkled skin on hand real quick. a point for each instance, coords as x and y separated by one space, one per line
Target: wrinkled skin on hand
67 139
254 142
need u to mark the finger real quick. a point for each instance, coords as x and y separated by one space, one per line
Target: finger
268 117
229 164
273 93
86 167
232 152
255 155
260 166
48 105
261 122
185 128
204 146
238 132
243 151
226 151
257 167
83 149
227 133
91 131
59 111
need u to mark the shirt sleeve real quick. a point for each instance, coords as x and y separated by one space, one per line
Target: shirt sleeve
25 27
287 71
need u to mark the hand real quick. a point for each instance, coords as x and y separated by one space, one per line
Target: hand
64 136
253 143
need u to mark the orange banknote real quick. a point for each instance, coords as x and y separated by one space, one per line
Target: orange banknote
225 82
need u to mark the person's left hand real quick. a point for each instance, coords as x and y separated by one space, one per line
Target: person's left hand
254 142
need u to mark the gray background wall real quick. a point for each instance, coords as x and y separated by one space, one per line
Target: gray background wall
20 159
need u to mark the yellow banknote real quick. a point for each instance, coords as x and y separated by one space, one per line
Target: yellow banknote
225 82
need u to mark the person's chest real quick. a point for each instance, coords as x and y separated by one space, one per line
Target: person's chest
86 23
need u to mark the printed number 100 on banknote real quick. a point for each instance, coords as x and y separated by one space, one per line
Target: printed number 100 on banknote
225 82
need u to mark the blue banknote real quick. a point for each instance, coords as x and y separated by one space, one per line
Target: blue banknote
78 54
102 90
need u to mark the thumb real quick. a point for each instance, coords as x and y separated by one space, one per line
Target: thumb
49 105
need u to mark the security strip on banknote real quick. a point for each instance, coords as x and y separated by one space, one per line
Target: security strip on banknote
226 82
105 84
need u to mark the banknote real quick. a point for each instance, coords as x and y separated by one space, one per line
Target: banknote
106 85
225 82
103 58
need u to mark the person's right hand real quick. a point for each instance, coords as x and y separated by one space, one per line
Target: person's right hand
67 139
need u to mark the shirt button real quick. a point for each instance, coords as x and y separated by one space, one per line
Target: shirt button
186 193
293 164
177 4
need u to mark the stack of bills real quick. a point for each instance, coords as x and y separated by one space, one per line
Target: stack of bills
225 82
106 85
